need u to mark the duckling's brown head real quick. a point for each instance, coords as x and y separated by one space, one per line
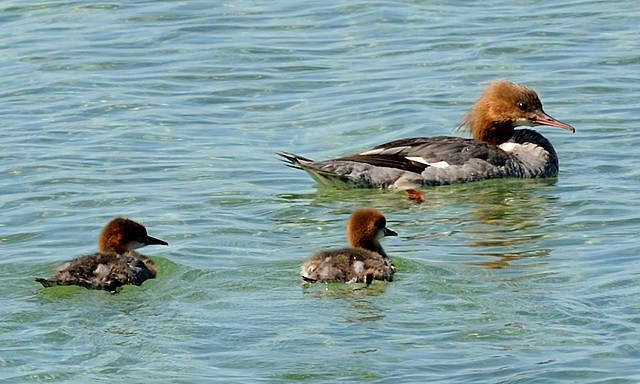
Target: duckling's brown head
365 227
122 235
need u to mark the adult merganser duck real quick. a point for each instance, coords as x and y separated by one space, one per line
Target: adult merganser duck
116 264
497 149
363 262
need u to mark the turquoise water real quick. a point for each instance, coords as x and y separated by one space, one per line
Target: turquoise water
170 113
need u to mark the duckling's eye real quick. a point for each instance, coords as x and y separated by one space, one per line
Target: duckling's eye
522 106
381 223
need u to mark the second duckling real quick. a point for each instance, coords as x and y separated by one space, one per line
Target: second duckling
116 264
364 262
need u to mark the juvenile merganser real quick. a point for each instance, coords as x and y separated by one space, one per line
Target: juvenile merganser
497 149
116 264
363 262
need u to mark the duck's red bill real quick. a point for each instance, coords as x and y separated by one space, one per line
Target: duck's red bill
544 119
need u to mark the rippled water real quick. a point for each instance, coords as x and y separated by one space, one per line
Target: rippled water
170 112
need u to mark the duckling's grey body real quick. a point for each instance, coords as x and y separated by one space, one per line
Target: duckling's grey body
116 264
349 265
107 271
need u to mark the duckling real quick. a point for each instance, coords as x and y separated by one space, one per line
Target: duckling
363 262
115 264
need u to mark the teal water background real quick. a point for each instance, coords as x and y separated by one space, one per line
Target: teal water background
170 113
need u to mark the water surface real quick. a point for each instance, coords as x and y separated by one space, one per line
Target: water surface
170 113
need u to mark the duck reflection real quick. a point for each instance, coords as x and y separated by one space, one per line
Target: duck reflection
512 220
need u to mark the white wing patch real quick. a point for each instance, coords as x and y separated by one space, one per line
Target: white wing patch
509 147
372 152
358 267
101 270
439 164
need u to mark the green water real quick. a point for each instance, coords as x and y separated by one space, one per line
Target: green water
170 113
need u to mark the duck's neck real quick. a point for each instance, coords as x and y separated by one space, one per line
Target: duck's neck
491 132
111 244
371 245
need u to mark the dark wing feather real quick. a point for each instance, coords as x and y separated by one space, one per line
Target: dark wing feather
455 151
389 161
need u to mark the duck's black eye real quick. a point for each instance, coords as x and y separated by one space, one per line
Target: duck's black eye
522 106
